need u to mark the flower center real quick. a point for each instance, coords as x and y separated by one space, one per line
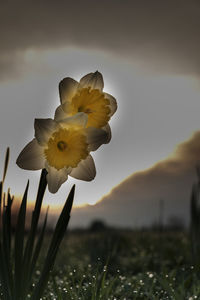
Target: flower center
66 148
94 104
61 145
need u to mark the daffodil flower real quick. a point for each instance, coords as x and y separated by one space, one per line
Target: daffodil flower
63 148
86 96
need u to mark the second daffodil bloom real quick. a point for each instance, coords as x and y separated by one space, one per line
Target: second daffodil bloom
86 96
63 149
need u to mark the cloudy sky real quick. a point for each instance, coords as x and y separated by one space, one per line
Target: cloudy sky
148 53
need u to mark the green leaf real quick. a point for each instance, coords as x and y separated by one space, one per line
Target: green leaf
32 234
1 188
58 235
6 241
38 246
4 276
7 224
19 244
6 163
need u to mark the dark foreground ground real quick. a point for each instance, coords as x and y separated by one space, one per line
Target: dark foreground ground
123 265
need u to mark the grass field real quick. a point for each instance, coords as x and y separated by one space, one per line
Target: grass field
121 265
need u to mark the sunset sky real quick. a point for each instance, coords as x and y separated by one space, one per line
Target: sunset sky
148 53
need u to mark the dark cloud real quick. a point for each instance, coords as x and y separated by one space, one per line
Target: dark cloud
135 201
165 34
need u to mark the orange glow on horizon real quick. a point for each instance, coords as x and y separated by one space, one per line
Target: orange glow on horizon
53 207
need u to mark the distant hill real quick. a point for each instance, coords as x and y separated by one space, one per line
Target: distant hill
135 202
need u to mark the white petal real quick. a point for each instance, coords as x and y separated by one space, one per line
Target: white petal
108 132
113 103
43 129
60 114
96 137
55 178
93 80
67 88
79 119
85 170
31 157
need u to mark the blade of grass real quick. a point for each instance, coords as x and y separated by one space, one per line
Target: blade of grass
19 244
171 293
1 192
4 276
6 238
1 187
38 246
34 223
6 163
7 224
57 290
4 257
58 235
8 221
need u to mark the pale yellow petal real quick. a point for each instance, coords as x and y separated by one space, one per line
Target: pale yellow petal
112 103
78 120
96 137
85 170
55 178
107 129
93 80
31 157
43 129
60 114
67 88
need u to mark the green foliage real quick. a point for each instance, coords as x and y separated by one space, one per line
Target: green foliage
195 219
58 235
94 265
17 269
19 245
144 265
